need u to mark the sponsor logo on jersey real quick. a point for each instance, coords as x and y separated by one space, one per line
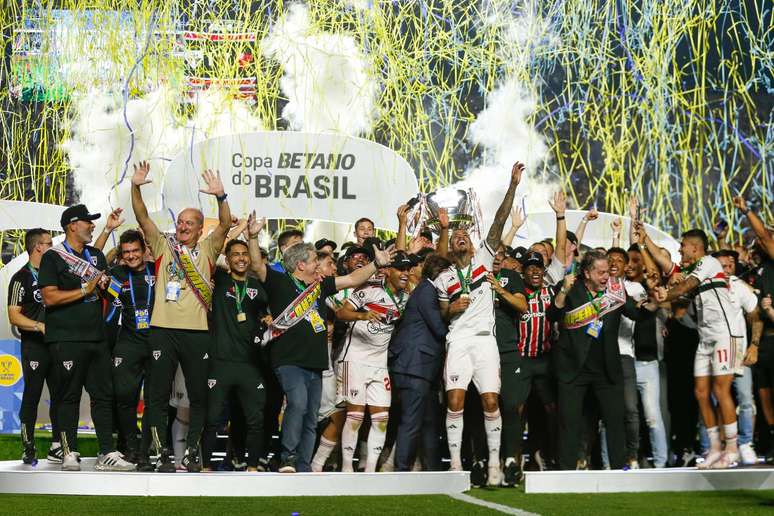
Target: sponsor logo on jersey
68 364
156 354
117 361
211 383
34 365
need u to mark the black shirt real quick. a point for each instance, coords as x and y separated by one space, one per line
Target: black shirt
233 340
764 283
80 320
299 346
23 291
505 315
143 284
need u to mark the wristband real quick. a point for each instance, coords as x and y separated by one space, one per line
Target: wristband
560 218
221 198
254 237
746 212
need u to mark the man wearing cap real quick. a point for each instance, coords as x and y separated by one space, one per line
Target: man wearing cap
178 325
68 278
525 364
325 245
27 313
374 310
744 309
466 301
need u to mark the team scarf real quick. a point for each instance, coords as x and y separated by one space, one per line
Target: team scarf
200 286
298 310
75 265
613 298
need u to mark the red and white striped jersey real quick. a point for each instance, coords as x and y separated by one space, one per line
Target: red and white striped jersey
535 330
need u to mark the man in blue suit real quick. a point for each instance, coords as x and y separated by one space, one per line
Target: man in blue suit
416 356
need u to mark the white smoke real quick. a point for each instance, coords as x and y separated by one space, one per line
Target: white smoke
327 79
99 140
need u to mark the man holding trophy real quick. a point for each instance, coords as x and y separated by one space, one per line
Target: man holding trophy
466 301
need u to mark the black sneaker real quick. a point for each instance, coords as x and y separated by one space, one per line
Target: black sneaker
288 465
513 474
165 463
55 455
263 465
478 474
770 454
191 460
687 459
29 456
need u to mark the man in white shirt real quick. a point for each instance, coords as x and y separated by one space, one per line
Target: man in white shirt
466 301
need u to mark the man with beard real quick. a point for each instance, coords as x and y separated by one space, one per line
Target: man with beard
27 313
131 354
238 304
374 310
76 333
466 301
179 329
716 359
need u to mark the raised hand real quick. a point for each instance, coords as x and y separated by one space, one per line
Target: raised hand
569 281
114 219
517 217
416 244
616 225
383 258
558 203
443 218
140 174
634 208
740 203
213 182
254 225
590 215
516 172
403 210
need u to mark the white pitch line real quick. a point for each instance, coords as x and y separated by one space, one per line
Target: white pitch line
491 505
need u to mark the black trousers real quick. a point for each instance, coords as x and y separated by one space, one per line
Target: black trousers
168 348
37 367
130 363
245 381
610 399
519 377
79 365
419 422
631 408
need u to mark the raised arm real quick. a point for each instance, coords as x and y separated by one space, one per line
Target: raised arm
517 220
757 225
442 247
257 264
559 204
215 187
400 240
139 178
112 223
496 231
359 276
616 225
648 246
590 215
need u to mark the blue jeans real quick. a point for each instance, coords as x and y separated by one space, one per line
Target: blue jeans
743 388
649 387
303 389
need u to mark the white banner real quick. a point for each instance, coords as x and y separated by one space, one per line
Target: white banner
293 175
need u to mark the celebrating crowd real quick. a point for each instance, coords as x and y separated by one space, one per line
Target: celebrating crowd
395 355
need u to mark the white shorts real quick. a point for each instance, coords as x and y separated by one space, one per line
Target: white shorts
718 357
361 384
473 358
330 380
179 396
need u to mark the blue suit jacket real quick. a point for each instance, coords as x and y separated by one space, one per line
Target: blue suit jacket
418 346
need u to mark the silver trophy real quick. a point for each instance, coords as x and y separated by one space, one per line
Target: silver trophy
461 205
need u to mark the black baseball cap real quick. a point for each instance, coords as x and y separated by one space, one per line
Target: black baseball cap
533 258
356 249
373 241
572 238
427 234
519 253
726 252
323 242
76 213
402 261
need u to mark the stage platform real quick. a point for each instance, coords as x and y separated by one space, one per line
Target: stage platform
46 478
649 480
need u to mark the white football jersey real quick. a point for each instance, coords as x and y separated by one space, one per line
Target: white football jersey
714 309
478 318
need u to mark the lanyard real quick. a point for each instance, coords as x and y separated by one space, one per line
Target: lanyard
33 271
85 252
465 281
594 298
240 295
131 288
396 302
299 286
533 294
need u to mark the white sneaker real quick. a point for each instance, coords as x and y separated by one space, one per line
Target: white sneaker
71 461
113 461
747 452
633 464
455 466
711 458
495 476
726 460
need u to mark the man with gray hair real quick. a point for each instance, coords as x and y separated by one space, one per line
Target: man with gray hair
300 354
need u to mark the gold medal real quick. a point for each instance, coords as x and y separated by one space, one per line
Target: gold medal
241 317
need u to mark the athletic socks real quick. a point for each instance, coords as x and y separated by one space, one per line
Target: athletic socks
376 438
730 431
349 439
179 433
454 437
493 424
713 433
324 451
